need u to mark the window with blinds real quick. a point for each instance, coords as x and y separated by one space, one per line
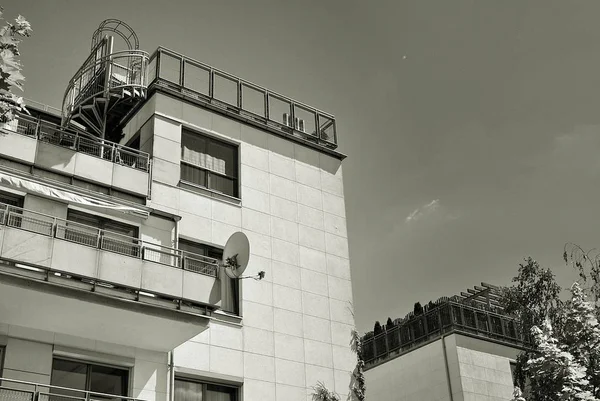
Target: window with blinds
209 163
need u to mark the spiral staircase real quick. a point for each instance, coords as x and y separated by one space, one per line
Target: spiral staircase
109 84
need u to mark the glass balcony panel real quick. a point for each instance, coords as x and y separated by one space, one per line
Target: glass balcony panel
196 78
253 100
225 89
306 121
327 129
279 107
151 70
170 68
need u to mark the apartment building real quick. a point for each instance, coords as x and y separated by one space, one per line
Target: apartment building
462 348
114 212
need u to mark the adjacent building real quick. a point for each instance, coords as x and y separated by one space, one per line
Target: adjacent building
462 348
113 216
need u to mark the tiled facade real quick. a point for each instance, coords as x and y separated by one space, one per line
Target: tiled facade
293 327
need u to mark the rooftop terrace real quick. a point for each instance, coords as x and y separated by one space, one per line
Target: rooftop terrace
476 313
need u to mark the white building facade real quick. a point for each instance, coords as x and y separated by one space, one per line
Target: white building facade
112 226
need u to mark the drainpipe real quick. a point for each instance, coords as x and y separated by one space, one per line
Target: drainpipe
176 239
447 367
171 357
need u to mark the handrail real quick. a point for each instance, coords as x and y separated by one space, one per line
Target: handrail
259 87
87 395
42 106
83 234
86 75
79 141
448 316
319 126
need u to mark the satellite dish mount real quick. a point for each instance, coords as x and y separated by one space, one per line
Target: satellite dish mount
235 257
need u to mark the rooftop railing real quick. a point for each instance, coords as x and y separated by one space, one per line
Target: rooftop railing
46 131
202 82
18 390
81 234
445 318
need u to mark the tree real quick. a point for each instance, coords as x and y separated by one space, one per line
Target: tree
534 298
389 324
358 383
587 264
321 393
10 67
418 309
555 374
564 357
581 336
377 329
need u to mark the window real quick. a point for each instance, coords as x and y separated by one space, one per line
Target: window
231 289
513 372
11 199
8 214
187 390
1 359
209 163
116 236
513 367
88 377
200 249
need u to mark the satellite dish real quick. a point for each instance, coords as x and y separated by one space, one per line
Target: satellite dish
236 255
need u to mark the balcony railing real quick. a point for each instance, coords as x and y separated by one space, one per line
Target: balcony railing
81 234
18 390
242 98
46 131
444 318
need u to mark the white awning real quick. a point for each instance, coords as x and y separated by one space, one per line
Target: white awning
53 192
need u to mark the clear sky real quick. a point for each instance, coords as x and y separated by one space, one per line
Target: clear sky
472 127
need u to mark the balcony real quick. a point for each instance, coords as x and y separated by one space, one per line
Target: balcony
444 318
133 292
240 99
86 240
74 153
18 390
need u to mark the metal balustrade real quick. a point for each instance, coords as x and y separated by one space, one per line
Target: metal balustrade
19 390
82 234
99 75
445 318
70 138
239 97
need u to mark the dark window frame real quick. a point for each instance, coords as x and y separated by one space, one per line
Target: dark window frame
126 384
2 353
215 253
104 223
12 199
235 390
200 248
207 172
